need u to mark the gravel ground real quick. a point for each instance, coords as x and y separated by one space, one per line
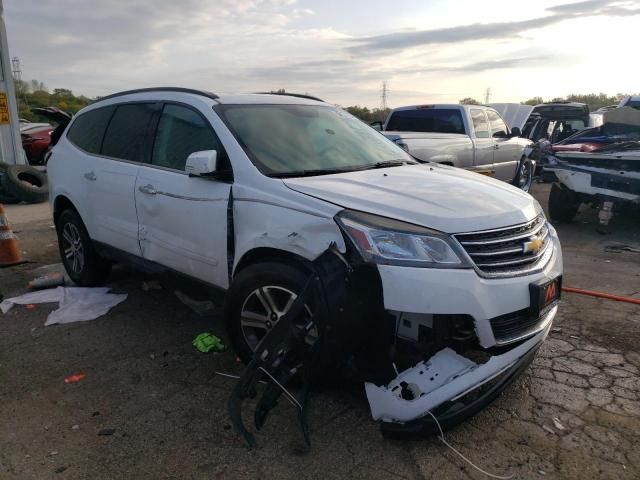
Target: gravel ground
152 407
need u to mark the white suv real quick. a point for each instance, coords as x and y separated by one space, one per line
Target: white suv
245 192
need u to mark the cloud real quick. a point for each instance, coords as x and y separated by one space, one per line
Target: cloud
492 31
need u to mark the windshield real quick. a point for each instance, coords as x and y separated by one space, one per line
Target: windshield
292 140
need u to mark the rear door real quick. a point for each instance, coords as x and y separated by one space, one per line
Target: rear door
112 176
183 220
484 144
507 151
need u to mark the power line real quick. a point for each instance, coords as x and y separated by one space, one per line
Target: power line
15 69
383 97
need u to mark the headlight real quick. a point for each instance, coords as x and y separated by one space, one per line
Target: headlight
391 242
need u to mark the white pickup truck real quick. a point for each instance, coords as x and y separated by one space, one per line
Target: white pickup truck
473 137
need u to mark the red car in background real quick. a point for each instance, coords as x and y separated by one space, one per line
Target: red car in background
36 139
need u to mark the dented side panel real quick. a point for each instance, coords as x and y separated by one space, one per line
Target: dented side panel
263 220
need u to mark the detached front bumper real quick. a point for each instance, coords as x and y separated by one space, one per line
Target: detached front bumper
448 385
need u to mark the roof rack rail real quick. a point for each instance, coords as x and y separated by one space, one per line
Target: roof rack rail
297 95
194 91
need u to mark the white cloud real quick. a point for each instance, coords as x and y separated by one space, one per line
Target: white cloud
97 47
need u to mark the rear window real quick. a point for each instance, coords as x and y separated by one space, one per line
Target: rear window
436 120
87 130
127 131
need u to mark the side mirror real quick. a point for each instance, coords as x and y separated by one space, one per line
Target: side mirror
201 164
377 125
500 134
515 132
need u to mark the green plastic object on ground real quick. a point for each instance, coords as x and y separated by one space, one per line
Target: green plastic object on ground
206 342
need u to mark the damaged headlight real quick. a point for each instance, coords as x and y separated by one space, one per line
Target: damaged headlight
392 242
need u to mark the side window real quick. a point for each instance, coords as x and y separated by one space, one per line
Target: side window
88 129
127 131
181 131
498 127
480 124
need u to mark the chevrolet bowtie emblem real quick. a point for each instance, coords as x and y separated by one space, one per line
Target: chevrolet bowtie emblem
534 245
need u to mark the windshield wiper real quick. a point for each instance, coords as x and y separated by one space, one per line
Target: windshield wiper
329 171
312 173
388 163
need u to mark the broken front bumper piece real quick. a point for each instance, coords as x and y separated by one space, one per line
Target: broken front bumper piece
444 381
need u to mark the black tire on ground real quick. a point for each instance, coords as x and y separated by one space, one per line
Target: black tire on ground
87 268
6 197
247 281
563 203
27 183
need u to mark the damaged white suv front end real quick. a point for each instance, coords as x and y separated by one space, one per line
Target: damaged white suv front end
474 305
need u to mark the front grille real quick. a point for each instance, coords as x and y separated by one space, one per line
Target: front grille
517 325
503 252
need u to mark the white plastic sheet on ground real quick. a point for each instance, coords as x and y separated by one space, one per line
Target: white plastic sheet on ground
77 304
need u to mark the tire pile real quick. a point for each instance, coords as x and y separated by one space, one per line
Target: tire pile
22 183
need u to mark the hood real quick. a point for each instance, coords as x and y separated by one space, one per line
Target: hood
443 198
514 114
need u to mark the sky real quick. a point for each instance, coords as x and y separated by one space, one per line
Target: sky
427 51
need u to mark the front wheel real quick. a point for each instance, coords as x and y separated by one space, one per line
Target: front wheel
259 296
524 177
79 257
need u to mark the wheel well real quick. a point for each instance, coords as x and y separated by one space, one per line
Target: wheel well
265 254
60 204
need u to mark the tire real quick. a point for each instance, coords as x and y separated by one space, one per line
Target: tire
274 278
83 265
524 177
27 183
563 203
6 197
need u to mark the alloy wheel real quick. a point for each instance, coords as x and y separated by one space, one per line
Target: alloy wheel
73 248
262 309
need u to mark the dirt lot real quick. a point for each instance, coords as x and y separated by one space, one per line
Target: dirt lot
167 406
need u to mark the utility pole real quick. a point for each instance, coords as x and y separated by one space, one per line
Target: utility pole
15 68
487 95
10 143
383 97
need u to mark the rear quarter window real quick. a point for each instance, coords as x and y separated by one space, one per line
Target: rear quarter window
436 120
87 131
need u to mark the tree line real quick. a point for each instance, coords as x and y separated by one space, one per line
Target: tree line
35 94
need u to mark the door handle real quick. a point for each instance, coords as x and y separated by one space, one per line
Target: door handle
148 189
90 176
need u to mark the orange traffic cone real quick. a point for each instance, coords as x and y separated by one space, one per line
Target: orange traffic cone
9 252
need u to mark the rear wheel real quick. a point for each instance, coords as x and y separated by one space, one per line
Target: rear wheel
79 257
563 203
259 296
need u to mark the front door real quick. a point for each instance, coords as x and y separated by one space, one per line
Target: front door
182 219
